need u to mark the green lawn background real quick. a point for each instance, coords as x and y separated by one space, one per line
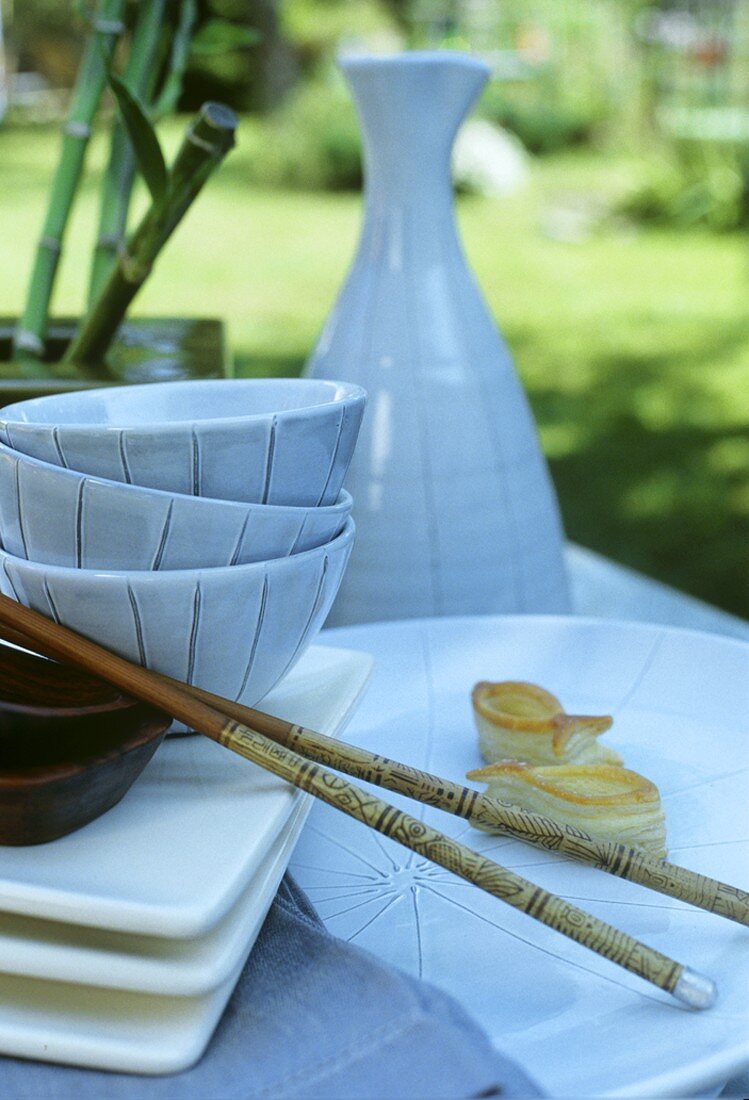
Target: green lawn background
633 346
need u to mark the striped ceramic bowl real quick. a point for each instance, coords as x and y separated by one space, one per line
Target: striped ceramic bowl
61 517
234 631
260 441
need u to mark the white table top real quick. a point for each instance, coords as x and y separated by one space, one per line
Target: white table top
605 589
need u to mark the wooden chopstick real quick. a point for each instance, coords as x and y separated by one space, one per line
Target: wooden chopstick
493 813
686 985
616 859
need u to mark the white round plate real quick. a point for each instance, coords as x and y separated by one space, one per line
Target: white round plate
579 1025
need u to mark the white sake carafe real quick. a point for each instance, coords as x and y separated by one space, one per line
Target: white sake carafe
455 510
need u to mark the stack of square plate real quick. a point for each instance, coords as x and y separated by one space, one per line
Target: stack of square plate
121 944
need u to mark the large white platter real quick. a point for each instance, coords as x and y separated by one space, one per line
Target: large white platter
127 1030
174 856
577 1023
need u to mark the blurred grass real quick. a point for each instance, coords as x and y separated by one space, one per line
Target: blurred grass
634 348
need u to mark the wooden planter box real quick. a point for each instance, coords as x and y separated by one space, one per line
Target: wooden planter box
147 350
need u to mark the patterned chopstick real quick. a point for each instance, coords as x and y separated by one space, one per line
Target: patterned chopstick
628 863
685 984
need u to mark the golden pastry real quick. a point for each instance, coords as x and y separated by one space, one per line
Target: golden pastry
519 721
605 801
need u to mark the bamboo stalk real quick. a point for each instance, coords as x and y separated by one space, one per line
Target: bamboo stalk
502 817
28 342
686 985
119 176
208 140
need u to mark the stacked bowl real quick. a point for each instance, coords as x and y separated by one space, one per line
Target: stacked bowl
197 528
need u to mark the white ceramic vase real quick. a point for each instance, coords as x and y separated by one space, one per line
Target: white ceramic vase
455 509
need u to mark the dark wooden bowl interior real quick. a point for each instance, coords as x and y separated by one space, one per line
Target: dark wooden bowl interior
51 713
70 747
32 684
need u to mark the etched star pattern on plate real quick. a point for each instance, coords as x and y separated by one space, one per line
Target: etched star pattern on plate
679 701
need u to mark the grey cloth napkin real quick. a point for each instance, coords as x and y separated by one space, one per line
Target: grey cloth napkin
312 1016
737 1087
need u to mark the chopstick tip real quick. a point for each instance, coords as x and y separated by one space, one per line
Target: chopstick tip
695 990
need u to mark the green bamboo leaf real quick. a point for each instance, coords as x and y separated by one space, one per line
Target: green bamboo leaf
219 36
143 137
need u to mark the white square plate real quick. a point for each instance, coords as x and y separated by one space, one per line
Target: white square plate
174 856
82 955
131 1032
579 1024
124 1029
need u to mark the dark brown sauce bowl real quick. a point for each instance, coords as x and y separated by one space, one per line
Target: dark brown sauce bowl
70 747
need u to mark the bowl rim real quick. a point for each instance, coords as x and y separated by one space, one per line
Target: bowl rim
118 701
160 576
349 394
343 504
30 710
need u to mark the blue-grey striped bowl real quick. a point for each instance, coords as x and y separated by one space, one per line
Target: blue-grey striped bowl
233 631
260 440
61 517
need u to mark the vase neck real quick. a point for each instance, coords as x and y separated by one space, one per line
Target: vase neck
426 200
410 107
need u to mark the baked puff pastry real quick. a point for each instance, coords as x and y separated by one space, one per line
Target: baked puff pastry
605 801
520 721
